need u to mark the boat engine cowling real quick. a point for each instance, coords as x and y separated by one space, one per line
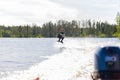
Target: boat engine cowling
107 63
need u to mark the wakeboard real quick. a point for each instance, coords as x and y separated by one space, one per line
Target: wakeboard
60 42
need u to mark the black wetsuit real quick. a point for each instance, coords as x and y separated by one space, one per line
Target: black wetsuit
61 37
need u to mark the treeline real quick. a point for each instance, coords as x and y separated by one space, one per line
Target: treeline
83 28
118 25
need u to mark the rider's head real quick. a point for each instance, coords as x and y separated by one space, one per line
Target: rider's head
62 29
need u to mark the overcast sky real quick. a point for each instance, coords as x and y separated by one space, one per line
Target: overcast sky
20 12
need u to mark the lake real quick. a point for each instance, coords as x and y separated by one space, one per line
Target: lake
22 55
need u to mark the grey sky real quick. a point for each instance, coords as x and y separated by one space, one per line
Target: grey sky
20 12
94 9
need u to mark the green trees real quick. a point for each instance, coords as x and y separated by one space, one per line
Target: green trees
118 25
83 28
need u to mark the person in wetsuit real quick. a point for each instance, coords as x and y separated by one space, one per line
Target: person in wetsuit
61 35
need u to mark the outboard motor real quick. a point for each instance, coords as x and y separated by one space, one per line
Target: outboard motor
107 64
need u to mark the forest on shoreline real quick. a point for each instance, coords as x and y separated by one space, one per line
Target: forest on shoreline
83 28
